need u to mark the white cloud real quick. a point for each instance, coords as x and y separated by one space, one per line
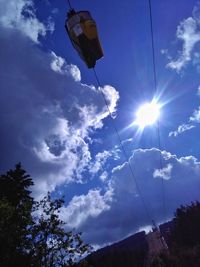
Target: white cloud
21 15
110 215
102 157
112 96
189 34
66 151
83 207
59 65
181 129
164 173
196 12
196 116
69 111
99 161
52 114
129 140
126 213
103 177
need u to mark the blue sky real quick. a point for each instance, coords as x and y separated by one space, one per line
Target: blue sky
54 120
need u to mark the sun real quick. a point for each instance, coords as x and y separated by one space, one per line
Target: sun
147 114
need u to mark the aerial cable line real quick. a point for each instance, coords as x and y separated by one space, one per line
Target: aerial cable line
82 31
156 92
122 148
70 6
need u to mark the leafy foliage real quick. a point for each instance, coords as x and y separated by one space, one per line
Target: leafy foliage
51 241
15 215
187 220
31 233
184 246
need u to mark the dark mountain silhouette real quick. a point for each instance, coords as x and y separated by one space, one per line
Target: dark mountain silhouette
182 236
130 252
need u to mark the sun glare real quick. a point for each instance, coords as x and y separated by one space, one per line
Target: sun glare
147 114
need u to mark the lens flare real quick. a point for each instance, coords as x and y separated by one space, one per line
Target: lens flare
147 114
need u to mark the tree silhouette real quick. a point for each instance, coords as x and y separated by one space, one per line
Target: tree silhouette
15 217
52 245
185 239
186 225
31 233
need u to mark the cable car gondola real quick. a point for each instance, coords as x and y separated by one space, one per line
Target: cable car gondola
82 32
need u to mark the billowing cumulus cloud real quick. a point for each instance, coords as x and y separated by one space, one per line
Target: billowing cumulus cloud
100 160
103 177
98 164
83 207
164 173
47 114
21 15
59 65
48 119
126 212
188 33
